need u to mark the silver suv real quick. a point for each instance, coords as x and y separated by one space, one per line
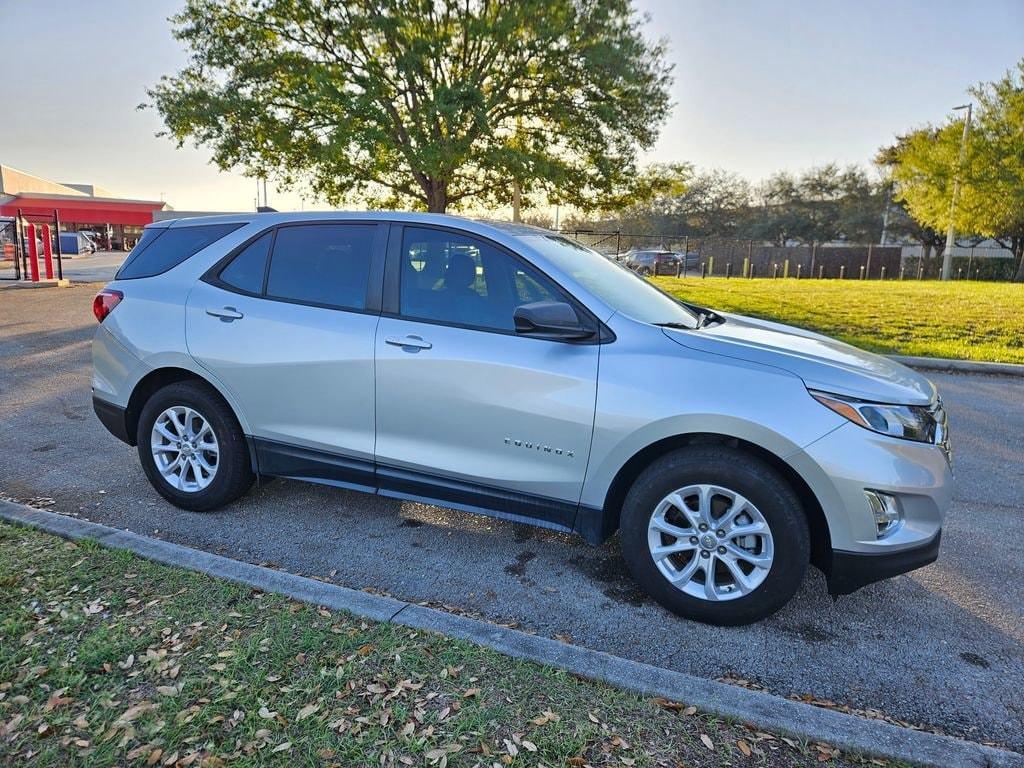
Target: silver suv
509 371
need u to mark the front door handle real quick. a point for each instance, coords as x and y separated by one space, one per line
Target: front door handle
226 314
415 342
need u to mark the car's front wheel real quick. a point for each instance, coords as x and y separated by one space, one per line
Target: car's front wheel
192 448
715 534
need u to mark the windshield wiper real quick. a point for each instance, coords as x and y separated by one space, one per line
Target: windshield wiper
704 317
684 326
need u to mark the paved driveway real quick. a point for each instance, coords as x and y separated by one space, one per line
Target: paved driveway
99 267
943 646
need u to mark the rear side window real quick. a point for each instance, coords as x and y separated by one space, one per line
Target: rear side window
161 249
245 271
323 264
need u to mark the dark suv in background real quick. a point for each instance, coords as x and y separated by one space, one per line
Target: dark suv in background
656 262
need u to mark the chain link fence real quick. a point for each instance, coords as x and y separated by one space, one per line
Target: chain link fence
731 257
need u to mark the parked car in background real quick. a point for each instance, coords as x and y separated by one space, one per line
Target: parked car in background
507 370
657 261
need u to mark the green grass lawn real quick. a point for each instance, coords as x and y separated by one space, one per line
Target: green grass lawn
107 659
963 320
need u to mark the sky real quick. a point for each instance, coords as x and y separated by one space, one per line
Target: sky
759 87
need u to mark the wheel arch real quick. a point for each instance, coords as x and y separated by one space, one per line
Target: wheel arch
157 379
821 545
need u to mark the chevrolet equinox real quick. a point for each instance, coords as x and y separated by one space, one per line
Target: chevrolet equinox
509 371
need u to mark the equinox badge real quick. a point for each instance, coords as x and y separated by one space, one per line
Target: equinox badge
539 447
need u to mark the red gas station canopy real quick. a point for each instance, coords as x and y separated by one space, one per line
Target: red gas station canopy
84 210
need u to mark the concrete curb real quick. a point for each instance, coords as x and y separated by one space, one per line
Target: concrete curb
762 710
960 366
41 283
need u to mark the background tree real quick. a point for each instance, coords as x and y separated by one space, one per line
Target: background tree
539 219
901 225
819 205
991 201
428 103
714 203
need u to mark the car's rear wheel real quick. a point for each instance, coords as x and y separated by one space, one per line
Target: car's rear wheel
192 448
715 534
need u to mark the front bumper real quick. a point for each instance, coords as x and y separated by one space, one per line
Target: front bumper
846 462
847 572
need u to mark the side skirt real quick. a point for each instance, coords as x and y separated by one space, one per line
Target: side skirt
300 463
471 497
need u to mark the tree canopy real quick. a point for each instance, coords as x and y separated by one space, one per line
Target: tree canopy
424 103
924 163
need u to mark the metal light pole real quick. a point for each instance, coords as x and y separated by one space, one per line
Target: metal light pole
947 256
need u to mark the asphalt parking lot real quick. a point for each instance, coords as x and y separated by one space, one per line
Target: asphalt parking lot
86 267
941 647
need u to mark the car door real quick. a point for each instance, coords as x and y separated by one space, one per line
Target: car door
468 411
287 325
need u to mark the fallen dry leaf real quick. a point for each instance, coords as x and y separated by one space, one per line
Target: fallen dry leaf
675 706
707 742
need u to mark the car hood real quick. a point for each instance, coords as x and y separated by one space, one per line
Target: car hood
823 363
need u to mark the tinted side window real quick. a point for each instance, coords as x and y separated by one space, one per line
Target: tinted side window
161 249
327 264
246 270
452 278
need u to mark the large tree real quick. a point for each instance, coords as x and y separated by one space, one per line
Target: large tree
425 103
925 162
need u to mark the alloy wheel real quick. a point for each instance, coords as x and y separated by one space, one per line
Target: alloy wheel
710 542
185 448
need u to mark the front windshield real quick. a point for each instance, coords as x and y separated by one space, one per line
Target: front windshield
616 286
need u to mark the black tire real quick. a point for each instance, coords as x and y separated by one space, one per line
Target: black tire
233 476
746 475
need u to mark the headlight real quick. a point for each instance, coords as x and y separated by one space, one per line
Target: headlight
911 422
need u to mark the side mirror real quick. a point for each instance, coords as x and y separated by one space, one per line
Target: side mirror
550 320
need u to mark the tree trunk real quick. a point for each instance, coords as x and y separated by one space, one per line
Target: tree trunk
1018 252
437 195
926 258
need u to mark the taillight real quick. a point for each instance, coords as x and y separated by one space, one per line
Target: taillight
105 302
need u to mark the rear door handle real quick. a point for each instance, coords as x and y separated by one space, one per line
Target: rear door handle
414 342
226 314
